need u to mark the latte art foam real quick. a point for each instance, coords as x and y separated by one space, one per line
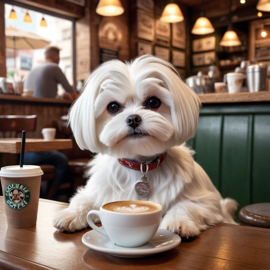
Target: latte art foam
132 207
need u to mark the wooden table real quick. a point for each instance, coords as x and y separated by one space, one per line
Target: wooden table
13 146
42 247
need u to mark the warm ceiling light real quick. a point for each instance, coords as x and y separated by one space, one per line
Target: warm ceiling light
172 14
43 22
259 14
27 18
202 26
263 5
109 8
263 33
230 38
242 1
12 15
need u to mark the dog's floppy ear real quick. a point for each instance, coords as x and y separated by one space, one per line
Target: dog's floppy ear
185 111
82 117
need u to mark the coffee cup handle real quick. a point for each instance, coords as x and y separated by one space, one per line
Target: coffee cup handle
91 223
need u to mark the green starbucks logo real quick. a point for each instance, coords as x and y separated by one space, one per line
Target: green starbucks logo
17 196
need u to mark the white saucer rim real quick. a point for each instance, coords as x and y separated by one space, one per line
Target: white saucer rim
133 251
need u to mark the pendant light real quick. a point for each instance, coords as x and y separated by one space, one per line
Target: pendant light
43 23
172 14
27 18
263 5
12 15
109 8
202 26
230 38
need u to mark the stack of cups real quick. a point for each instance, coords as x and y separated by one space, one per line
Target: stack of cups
21 187
235 82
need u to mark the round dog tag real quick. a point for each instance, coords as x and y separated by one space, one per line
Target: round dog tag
142 188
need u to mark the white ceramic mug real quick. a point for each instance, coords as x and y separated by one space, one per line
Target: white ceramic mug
127 229
48 133
235 82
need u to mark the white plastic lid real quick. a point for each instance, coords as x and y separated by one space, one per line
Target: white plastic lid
232 74
48 129
17 171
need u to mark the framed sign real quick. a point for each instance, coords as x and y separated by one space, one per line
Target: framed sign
146 4
179 35
145 22
110 34
202 59
178 58
204 44
106 55
259 46
163 33
144 48
162 53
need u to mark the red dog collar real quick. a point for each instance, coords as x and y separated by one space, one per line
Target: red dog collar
137 166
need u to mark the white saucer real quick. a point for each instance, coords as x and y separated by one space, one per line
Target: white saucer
162 241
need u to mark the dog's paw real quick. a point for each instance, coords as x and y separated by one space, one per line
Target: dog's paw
186 228
69 220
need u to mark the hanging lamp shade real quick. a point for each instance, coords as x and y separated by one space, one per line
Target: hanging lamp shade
27 18
202 27
109 8
43 23
172 14
263 5
230 38
12 15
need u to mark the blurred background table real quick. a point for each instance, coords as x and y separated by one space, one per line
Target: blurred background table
13 145
42 247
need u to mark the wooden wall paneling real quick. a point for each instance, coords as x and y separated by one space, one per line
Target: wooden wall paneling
208 146
3 71
236 154
261 158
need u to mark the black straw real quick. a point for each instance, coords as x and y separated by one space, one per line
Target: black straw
22 148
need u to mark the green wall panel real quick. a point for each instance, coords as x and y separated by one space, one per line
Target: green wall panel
208 142
261 159
236 158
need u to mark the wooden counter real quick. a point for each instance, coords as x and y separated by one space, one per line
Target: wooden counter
20 99
235 98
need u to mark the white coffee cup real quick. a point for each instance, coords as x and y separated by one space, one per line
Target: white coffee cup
127 229
221 87
235 82
48 133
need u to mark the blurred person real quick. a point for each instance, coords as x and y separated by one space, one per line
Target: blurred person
44 78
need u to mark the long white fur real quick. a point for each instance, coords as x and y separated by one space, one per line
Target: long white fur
189 200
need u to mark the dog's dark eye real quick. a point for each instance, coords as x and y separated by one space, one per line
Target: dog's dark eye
113 107
153 103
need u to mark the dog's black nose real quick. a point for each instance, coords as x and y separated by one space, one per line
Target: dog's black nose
134 120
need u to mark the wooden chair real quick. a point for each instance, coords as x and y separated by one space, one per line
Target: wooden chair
12 125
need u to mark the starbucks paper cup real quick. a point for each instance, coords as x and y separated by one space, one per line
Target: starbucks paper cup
21 187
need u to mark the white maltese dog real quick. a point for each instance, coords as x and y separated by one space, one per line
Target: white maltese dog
134 113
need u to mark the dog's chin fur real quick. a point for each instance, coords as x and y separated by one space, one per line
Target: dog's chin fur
190 202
